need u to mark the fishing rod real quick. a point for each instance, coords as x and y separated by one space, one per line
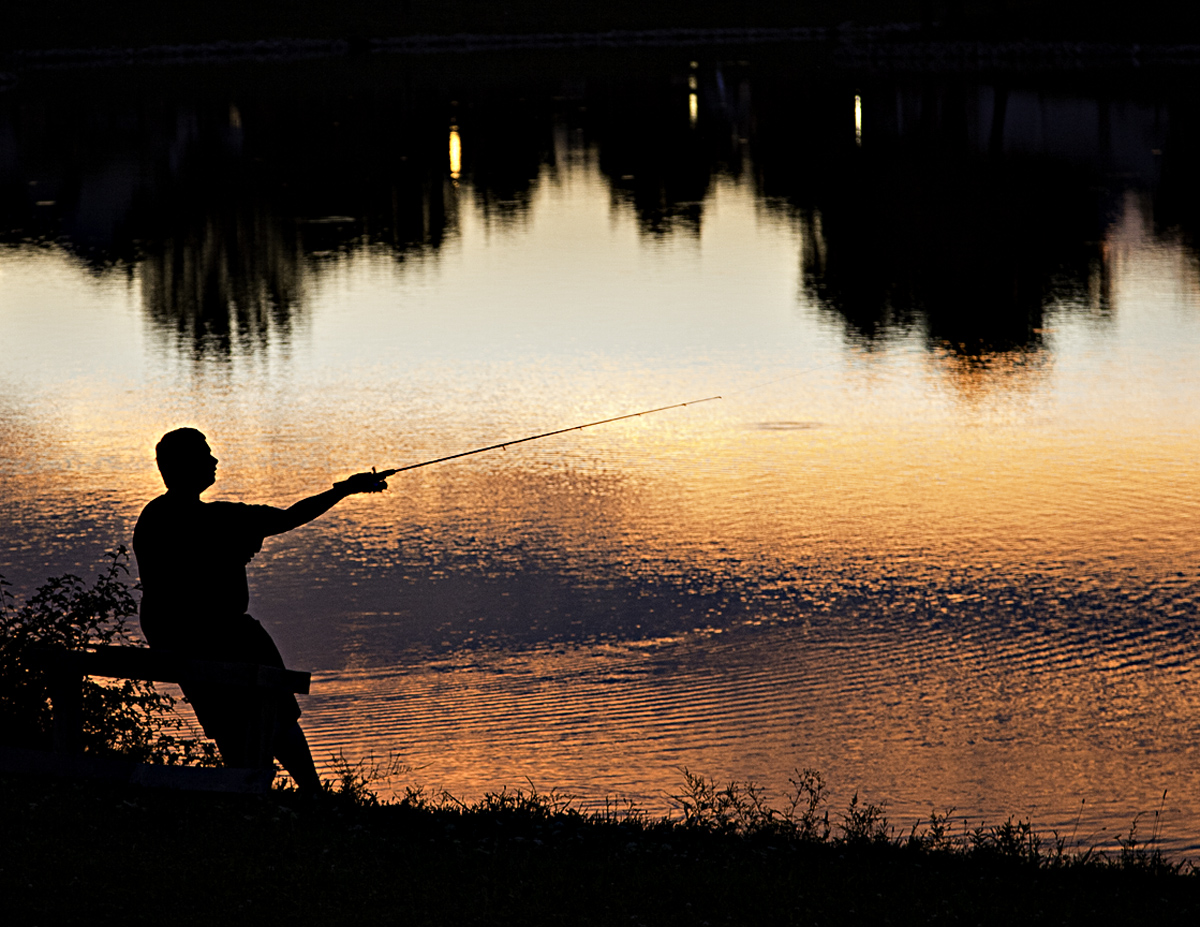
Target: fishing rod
503 445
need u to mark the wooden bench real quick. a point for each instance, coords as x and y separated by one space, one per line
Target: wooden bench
66 671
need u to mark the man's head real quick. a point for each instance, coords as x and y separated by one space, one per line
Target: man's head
185 460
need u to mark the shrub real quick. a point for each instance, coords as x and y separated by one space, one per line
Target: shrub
129 718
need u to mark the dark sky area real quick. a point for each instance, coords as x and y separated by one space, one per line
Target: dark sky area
133 23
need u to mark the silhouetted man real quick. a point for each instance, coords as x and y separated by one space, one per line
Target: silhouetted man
192 558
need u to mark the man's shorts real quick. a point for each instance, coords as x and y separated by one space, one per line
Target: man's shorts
224 711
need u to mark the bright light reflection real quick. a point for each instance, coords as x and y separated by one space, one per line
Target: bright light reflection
693 100
857 119
455 153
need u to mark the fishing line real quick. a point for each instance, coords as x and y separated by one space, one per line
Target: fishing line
504 445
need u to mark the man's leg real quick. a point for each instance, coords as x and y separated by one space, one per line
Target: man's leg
291 749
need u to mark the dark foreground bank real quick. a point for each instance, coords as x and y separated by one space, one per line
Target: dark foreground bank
82 853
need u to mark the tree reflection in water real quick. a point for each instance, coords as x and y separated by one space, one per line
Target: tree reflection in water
968 210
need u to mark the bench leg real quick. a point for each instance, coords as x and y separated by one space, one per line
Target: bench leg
66 698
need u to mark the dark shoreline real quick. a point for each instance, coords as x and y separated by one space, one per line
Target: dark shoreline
906 34
896 48
83 852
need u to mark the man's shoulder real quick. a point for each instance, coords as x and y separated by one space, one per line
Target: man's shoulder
166 509
236 509
253 518
158 520
156 503
221 506
155 508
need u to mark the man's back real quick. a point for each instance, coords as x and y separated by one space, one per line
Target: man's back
192 558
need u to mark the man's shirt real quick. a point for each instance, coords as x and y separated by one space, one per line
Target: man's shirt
192 558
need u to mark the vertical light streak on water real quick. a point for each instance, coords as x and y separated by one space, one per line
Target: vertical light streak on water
455 153
693 98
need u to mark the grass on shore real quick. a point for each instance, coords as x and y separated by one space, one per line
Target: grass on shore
77 852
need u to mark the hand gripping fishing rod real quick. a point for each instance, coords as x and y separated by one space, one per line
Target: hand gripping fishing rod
384 474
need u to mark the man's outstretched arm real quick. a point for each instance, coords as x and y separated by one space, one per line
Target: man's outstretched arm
306 510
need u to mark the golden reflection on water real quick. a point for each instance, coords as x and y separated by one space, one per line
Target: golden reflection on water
925 704
966 581
977 377
455 153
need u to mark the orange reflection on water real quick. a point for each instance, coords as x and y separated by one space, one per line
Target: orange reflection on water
455 153
985 604
976 377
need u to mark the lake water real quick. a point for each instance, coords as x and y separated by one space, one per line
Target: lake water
937 539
